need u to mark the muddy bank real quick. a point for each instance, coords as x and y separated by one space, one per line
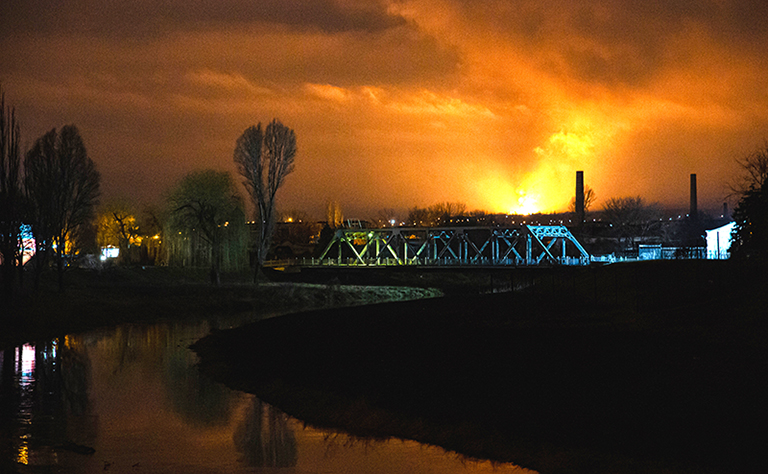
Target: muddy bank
663 378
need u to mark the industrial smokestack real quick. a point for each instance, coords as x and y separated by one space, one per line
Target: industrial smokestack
694 212
579 207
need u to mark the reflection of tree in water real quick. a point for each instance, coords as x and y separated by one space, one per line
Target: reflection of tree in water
198 399
264 437
76 381
146 348
9 402
135 346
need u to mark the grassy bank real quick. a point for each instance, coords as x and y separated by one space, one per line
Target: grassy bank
652 367
94 299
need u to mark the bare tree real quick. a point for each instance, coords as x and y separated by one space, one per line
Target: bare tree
151 229
754 168
418 217
436 214
631 216
62 186
117 226
589 199
11 197
265 159
205 206
444 212
386 217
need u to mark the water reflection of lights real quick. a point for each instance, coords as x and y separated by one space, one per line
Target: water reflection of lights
22 457
32 425
52 402
25 357
25 364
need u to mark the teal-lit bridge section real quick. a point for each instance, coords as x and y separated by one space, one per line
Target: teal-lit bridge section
523 245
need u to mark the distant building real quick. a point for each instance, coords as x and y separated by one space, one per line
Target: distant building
109 252
719 242
27 244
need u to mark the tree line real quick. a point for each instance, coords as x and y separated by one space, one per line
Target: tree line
49 216
53 192
49 196
203 223
750 234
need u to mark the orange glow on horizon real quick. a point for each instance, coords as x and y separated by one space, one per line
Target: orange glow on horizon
526 204
505 103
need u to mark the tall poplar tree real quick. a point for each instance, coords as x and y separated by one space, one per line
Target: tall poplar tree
11 198
264 159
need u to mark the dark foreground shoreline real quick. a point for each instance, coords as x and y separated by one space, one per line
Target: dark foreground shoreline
662 372
95 299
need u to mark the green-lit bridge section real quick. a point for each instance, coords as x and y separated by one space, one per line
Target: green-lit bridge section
524 245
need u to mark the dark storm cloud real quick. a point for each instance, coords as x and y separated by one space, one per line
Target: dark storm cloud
159 17
637 39
619 41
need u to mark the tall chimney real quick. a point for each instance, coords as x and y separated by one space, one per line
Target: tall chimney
694 212
579 207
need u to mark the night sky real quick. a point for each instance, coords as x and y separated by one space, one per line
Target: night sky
401 103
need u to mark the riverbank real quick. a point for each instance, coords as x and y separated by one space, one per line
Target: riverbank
95 299
647 367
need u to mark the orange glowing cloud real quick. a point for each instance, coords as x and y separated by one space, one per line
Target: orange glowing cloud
399 103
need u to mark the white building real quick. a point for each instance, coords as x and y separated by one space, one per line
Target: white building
719 241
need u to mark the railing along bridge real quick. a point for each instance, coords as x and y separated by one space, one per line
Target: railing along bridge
523 245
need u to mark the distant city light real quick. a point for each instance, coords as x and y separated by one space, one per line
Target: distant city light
109 252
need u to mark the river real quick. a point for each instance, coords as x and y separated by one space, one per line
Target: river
130 399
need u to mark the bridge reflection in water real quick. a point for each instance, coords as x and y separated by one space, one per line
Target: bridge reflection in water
522 245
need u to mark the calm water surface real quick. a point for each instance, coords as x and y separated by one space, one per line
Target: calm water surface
131 400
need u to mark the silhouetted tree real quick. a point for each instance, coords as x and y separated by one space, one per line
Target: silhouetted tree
117 227
754 172
326 236
11 196
150 225
62 186
418 217
436 215
750 236
631 216
265 159
445 211
386 217
205 206
589 199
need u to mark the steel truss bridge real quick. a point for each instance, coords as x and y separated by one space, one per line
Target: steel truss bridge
522 245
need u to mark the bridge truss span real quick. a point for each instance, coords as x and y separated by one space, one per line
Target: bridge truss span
521 245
